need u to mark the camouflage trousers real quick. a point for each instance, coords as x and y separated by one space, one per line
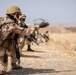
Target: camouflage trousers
22 42
10 53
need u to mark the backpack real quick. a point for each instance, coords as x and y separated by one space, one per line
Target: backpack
3 21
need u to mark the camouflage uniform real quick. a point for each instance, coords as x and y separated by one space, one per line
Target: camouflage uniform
46 36
23 39
31 37
7 32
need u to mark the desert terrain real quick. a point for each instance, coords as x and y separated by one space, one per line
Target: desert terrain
56 57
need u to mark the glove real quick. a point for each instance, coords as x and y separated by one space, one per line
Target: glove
42 25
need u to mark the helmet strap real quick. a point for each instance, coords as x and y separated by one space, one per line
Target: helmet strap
16 17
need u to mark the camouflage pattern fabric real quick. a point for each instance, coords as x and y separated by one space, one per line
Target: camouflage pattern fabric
7 31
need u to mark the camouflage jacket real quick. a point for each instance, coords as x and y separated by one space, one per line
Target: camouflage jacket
9 26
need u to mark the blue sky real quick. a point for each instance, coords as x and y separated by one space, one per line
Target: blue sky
53 11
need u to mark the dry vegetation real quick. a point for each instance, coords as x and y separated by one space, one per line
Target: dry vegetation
58 57
72 29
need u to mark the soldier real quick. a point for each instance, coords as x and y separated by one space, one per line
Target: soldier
23 39
8 41
8 38
46 36
29 39
40 37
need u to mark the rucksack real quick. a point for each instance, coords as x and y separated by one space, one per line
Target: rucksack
3 21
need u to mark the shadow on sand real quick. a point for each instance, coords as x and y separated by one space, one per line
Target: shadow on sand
30 56
27 71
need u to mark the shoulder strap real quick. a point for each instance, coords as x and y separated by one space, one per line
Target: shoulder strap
5 21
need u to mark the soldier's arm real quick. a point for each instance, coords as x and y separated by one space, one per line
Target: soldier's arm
13 28
29 30
23 31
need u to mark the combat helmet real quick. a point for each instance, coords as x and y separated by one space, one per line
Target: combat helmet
12 9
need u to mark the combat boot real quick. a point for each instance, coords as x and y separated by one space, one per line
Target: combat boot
15 66
29 48
2 72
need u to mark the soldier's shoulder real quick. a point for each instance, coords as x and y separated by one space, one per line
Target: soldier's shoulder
5 20
2 19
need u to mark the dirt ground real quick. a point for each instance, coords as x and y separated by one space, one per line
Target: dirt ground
57 57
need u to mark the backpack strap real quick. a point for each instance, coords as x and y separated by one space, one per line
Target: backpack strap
5 21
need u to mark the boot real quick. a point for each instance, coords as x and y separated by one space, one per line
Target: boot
2 72
29 48
15 66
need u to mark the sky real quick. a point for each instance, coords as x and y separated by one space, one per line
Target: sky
53 11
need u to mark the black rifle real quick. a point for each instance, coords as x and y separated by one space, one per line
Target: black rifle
41 35
32 38
16 48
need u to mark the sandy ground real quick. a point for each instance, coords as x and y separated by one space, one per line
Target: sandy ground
57 57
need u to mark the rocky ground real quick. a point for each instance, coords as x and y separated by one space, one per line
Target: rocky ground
57 57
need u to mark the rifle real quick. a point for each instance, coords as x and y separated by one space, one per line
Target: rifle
15 44
35 41
23 25
41 35
32 38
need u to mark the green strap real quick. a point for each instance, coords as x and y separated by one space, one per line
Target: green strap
7 21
